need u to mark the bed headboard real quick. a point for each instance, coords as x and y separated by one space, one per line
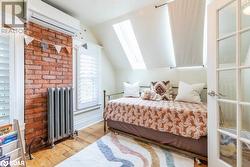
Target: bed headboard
108 97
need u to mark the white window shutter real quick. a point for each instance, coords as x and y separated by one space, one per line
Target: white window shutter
88 77
4 79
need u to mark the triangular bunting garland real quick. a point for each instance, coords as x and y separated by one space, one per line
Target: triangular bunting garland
28 39
85 46
58 48
68 49
45 45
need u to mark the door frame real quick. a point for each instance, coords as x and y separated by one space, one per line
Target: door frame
211 76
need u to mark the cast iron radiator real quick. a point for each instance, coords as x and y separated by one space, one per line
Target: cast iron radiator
60 114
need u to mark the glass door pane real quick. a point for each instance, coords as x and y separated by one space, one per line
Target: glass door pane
227 20
245 154
245 48
227 52
228 149
227 84
245 14
245 122
227 114
245 85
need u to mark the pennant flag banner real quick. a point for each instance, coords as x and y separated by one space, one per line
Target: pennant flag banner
28 39
85 46
58 48
68 49
45 45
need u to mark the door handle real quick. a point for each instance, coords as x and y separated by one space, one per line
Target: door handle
213 94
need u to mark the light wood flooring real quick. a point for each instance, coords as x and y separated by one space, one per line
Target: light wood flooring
51 157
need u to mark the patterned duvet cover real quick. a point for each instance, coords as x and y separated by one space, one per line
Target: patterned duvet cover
179 118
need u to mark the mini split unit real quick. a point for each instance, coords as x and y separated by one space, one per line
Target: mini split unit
48 16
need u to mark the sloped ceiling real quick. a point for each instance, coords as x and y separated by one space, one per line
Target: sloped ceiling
92 12
153 35
151 27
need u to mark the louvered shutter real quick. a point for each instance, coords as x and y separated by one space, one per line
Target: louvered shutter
4 79
88 77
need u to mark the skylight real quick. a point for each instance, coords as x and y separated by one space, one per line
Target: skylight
126 36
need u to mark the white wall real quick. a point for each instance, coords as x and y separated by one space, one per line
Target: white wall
155 50
86 118
195 75
107 71
151 29
108 75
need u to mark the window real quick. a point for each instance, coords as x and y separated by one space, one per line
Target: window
4 79
87 77
126 36
11 78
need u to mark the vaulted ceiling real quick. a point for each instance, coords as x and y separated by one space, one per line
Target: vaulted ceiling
167 36
92 12
152 33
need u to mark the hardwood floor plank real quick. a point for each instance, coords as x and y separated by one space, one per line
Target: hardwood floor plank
50 157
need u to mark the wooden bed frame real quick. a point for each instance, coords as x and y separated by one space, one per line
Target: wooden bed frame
185 153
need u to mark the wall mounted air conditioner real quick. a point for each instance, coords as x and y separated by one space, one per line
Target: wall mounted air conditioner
46 15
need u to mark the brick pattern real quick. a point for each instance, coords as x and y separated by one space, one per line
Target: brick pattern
43 69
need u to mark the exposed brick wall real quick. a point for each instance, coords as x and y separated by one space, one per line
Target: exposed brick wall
43 69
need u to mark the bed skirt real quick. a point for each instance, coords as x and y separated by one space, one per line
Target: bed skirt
196 146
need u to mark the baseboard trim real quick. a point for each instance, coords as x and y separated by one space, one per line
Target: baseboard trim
91 124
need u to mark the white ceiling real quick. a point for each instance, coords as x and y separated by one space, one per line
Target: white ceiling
151 27
152 33
91 12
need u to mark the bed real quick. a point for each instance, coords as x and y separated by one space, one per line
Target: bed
178 126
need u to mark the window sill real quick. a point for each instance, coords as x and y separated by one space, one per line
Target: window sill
77 112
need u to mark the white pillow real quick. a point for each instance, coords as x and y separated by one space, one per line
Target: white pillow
131 90
189 93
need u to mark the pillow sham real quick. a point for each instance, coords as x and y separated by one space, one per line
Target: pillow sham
150 95
189 93
131 90
163 88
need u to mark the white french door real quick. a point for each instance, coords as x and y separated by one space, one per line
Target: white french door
228 84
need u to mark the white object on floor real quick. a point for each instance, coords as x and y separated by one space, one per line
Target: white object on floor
115 151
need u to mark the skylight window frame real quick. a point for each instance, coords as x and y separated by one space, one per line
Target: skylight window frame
128 41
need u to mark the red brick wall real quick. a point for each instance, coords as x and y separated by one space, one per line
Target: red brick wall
43 69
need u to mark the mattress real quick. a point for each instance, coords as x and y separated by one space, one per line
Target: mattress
188 144
178 118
